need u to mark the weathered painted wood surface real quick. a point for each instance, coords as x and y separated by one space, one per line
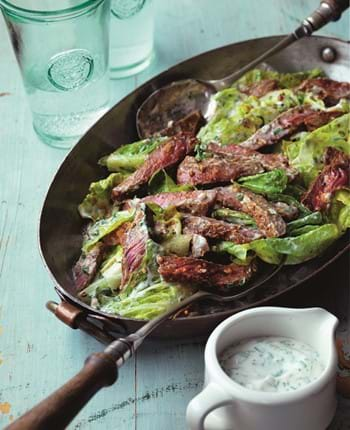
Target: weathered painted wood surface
37 352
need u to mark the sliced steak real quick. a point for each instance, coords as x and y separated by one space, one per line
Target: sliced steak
216 229
318 119
259 89
86 267
194 202
191 123
195 271
118 236
168 153
269 222
334 176
287 123
134 249
215 170
268 161
326 89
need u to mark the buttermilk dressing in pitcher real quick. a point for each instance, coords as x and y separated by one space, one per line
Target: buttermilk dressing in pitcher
272 363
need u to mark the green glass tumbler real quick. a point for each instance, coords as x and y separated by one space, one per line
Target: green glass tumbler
132 36
62 48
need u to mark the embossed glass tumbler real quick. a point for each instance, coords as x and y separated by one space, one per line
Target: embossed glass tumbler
132 34
62 48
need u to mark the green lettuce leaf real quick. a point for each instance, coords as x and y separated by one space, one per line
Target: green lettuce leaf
340 210
266 183
302 230
295 191
225 100
108 279
161 182
306 154
178 245
168 229
167 221
234 217
314 218
97 204
108 284
101 228
99 287
296 249
235 121
311 99
114 256
290 200
285 80
132 156
146 302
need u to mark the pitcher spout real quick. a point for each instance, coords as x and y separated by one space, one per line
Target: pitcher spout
319 328
324 320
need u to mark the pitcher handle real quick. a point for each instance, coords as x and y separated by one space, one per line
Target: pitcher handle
212 397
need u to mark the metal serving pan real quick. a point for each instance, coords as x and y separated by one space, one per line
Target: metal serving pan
61 225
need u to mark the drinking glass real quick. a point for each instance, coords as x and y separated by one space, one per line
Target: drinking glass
131 42
62 49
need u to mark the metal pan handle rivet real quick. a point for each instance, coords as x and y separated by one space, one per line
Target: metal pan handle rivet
328 54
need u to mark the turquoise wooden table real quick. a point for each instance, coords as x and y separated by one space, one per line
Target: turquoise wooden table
37 352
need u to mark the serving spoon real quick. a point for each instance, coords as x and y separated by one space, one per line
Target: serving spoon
101 369
176 100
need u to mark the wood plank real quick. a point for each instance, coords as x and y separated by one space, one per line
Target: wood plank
169 374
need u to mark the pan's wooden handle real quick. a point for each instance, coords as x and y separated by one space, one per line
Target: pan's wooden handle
57 410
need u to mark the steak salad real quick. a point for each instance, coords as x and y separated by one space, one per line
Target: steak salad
266 178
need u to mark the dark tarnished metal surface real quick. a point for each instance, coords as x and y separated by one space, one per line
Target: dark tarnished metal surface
61 225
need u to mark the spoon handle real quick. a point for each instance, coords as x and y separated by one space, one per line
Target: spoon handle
228 81
328 10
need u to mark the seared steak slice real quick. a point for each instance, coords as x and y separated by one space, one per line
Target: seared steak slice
216 229
326 89
134 249
334 176
86 267
259 89
118 236
191 123
287 123
168 153
194 202
215 170
270 223
195 271
318 119
267 161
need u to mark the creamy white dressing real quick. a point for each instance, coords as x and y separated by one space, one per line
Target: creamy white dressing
271 363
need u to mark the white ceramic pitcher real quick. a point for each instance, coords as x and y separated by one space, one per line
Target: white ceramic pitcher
225 405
